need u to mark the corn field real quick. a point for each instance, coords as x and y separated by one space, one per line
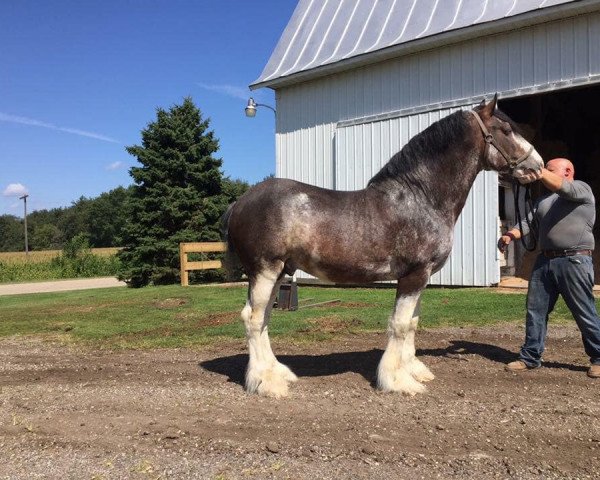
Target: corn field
53 265
14 258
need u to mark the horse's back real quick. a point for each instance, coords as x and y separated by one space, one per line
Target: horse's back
308 227
282 197
276 188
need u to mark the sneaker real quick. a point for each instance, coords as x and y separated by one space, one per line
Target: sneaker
594 371
521 366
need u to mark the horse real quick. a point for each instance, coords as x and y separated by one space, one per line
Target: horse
399 227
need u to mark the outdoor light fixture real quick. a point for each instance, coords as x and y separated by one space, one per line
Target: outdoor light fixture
251 108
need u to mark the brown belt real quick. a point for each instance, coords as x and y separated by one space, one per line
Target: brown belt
565 253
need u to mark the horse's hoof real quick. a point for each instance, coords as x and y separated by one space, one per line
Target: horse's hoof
285 372
424 377
399 381
270 382
273 388
420 372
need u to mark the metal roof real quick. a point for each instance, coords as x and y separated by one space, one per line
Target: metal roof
322 33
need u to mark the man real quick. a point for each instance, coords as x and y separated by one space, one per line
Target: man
565 221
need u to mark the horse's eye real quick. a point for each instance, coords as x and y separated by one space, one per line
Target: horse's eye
506 130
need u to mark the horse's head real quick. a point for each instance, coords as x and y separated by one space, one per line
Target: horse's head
505 148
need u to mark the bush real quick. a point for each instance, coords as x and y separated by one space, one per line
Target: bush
77 260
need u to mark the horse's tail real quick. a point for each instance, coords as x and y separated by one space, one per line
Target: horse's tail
231 262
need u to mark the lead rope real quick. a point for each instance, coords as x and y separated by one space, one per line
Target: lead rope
533 223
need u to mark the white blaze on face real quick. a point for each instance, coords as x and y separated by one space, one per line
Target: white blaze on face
533 162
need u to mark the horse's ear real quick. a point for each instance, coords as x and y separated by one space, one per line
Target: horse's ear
482 104
488 108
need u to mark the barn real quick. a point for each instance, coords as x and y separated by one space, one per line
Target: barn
354 80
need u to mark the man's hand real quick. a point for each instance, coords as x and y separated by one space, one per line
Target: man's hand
508 237
528 176
503 242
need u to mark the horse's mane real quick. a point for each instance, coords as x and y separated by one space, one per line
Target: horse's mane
423 150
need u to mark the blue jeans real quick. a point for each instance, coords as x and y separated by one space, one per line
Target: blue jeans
573 278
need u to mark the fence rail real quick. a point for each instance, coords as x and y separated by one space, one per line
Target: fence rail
198 247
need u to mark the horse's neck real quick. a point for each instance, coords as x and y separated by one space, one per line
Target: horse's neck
458 177
444 184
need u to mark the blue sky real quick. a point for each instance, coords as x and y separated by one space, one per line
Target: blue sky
79 80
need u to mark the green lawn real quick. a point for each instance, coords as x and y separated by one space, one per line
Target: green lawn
174 316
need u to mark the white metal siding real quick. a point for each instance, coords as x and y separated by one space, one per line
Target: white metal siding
546 57
361 151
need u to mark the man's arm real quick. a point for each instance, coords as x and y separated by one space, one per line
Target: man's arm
551 181
573 191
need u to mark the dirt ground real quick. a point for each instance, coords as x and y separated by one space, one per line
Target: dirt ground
74 413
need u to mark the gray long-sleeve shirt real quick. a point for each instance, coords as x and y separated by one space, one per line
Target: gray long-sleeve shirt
565 218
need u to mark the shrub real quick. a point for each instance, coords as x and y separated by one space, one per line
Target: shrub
77 260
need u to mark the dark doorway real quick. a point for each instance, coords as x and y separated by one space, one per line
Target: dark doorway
559 124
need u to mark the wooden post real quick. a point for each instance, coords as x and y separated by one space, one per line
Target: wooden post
198 247
185 280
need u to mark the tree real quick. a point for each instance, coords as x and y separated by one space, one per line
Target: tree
12 237
106 217
101 219
45 226
233 189
46 237
177 195
74 219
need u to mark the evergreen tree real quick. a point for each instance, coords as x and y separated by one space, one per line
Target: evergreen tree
177 195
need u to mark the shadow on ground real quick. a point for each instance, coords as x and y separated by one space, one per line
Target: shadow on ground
365 363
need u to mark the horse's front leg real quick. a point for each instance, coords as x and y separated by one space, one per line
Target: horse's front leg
399 369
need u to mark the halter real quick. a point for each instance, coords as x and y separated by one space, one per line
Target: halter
512 163
490 140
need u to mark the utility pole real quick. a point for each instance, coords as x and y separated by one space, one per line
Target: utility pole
24 198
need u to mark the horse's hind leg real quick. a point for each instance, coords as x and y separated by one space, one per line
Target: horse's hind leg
265 375
399 369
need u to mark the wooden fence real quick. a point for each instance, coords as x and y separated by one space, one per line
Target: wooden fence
198 247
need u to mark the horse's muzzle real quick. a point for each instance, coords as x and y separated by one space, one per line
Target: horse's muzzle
529 169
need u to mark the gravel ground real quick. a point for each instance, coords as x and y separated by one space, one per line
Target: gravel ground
71 413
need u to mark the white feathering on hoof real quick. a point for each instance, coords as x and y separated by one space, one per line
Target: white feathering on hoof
399 370
393 378
269 382
419 371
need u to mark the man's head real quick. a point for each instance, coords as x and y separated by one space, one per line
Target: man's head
561 167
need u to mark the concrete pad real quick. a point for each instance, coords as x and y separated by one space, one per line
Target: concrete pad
516 282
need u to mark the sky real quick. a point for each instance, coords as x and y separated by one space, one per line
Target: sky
79 81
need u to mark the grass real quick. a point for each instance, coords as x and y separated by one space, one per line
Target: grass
174 316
